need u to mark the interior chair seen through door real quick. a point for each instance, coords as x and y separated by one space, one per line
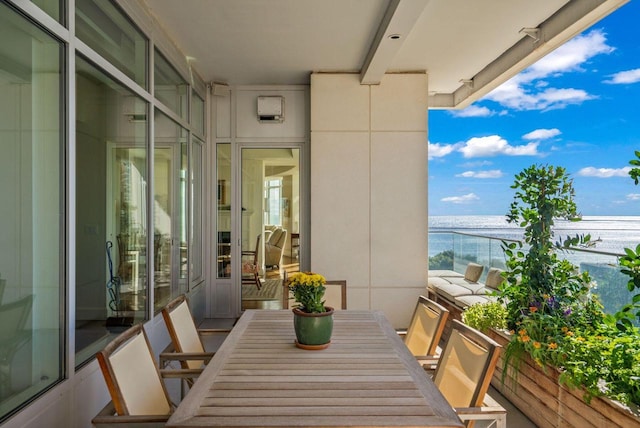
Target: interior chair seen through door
464 372
251 267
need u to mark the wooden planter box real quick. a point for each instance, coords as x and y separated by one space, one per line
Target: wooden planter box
548 404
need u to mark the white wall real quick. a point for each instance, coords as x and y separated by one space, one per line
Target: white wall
369 189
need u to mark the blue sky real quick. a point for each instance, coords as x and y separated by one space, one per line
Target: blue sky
578 107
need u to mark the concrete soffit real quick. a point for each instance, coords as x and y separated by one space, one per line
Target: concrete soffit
573 18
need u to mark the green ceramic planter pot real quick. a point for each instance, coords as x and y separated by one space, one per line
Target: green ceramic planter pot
313 331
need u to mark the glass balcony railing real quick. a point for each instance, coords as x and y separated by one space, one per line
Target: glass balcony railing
454 250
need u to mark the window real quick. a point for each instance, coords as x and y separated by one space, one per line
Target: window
274 203
170 88
32 194
52 7
106 30
170 163
111 216
197 113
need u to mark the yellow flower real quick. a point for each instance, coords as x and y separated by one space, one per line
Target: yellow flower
536 345
522 332
525 338
552 345
533 309
565 329
569 333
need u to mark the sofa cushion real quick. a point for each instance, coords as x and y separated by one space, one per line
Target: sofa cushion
445 273
468 300
450 288
473 272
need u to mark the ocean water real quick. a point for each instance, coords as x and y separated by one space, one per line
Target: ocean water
614 233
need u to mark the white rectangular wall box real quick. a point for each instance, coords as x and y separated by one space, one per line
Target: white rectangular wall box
271 109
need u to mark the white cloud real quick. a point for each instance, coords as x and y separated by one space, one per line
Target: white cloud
542 134
526 91
570 56
633 197
495 145
437 150
472 111
623 77
495 173
591 171
464 199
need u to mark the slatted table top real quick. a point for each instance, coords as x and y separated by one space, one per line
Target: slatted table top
367 377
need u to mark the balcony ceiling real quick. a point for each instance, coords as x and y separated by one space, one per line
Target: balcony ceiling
466 47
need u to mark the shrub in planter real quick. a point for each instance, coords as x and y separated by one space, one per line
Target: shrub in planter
485 316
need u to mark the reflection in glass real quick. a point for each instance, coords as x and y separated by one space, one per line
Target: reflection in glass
108 31
223 167
170 88
111 217
170 164
53 8
197 113
31 191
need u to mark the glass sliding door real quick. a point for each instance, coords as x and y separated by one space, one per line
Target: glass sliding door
270 217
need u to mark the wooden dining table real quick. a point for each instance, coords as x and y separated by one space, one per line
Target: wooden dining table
366 377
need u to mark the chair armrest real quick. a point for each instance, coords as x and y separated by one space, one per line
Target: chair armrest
180 373
203 331
107 418
165 357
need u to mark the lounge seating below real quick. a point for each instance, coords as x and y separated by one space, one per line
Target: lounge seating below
455 293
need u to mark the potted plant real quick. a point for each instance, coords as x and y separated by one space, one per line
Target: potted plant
312 321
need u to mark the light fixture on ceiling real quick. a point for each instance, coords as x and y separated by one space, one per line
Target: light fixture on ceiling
534 33
394 36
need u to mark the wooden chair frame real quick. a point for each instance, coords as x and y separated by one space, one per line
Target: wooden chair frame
340 282
252 277
117 411
186 344
481 406
439 315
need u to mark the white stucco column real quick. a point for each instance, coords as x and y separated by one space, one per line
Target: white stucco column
369 189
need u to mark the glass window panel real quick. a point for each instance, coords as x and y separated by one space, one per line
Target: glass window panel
197 113
223 156
197 195
31 191
53 8
111 218
169 86
108 31
170 163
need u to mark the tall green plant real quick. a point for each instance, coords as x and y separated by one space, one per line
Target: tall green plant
630 264
538 280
